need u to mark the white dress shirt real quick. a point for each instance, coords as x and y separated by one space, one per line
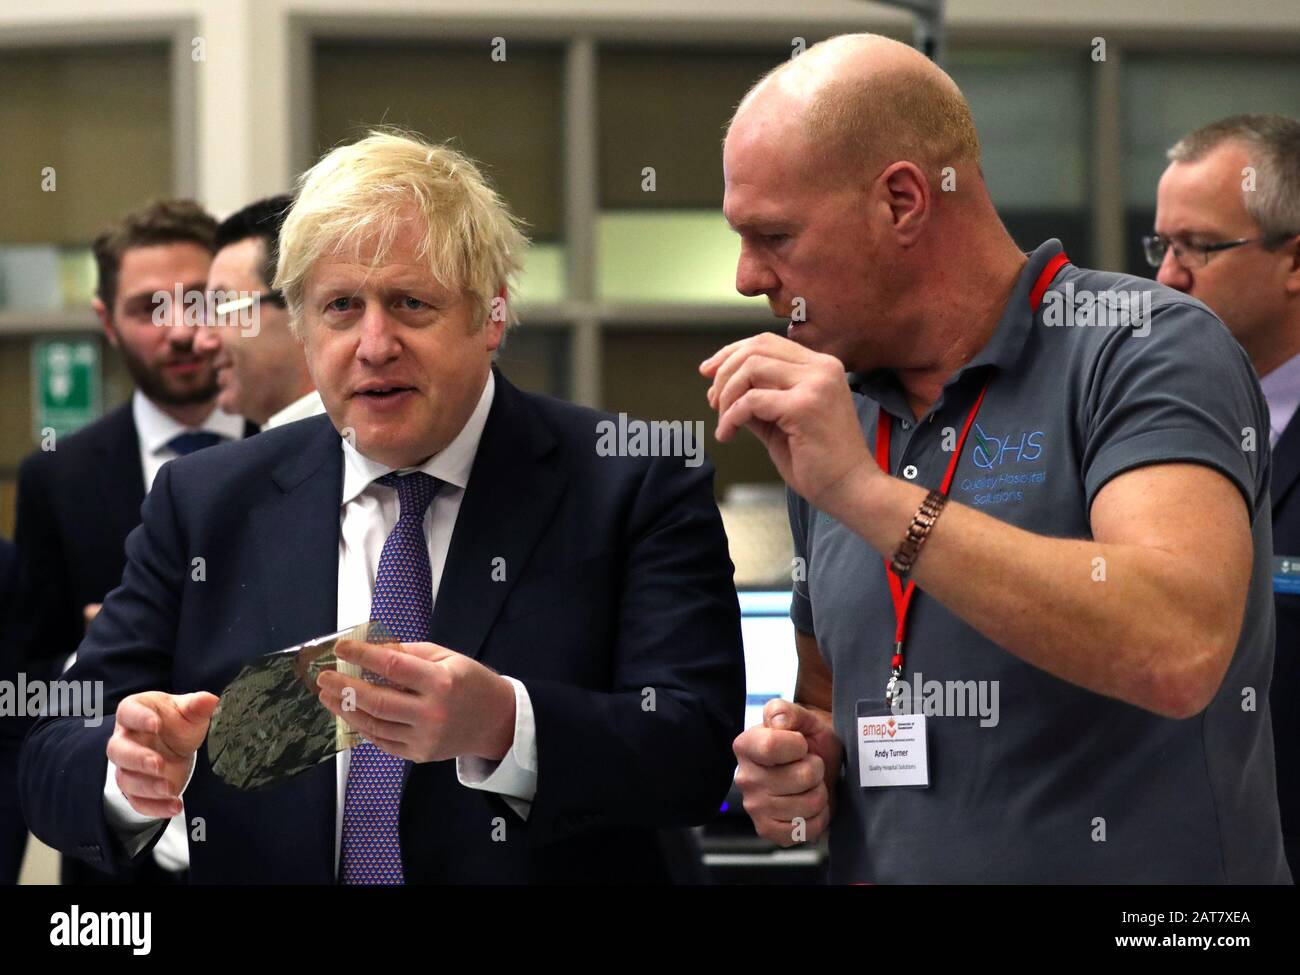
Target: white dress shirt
367 513
154 429
299 409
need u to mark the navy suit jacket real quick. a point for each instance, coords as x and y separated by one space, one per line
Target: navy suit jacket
8 580
617 580
12 728
75 506
1284 698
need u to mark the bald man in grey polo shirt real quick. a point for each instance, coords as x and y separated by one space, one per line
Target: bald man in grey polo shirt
1070 466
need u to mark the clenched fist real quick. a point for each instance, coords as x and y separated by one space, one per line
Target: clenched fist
788 769
153 746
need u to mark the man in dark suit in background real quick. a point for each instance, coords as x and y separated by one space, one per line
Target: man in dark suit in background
1228 233
13 830
570 633
78 501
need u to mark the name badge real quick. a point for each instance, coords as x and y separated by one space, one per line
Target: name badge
891 748
1286 573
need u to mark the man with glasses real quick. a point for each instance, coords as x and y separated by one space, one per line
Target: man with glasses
261 369
1228 233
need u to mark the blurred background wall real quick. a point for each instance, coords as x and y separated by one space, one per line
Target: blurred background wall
600 122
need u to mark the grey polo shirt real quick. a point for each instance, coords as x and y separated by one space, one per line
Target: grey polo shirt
1068 785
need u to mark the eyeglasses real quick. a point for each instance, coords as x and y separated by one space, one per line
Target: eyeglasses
1192 256
231 308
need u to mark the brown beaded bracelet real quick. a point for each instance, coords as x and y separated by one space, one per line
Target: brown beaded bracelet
917 532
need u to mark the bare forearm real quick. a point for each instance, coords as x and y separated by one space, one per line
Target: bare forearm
1126 621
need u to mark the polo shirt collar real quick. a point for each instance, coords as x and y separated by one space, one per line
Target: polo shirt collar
1002 350
1008 341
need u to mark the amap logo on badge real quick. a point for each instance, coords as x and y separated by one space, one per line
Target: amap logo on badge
990 451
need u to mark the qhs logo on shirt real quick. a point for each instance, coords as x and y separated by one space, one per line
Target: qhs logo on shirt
992 451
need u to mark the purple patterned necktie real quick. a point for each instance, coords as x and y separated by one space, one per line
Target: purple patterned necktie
402 601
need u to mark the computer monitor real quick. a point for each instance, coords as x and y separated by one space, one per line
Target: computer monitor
771 663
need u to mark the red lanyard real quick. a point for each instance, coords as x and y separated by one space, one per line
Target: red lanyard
902 598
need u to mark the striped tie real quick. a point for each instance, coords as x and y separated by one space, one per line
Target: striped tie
402 601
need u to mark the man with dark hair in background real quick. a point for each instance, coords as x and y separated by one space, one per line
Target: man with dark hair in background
77 502
1228 233
261 370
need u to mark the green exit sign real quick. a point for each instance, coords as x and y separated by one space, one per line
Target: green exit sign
65 385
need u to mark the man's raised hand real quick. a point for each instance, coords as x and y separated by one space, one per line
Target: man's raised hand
797 402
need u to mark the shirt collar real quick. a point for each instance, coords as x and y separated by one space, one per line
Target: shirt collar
156 429
309 404
1282 382
1003 348
451 464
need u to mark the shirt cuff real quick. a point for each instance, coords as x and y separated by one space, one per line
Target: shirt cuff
514 777
133 829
